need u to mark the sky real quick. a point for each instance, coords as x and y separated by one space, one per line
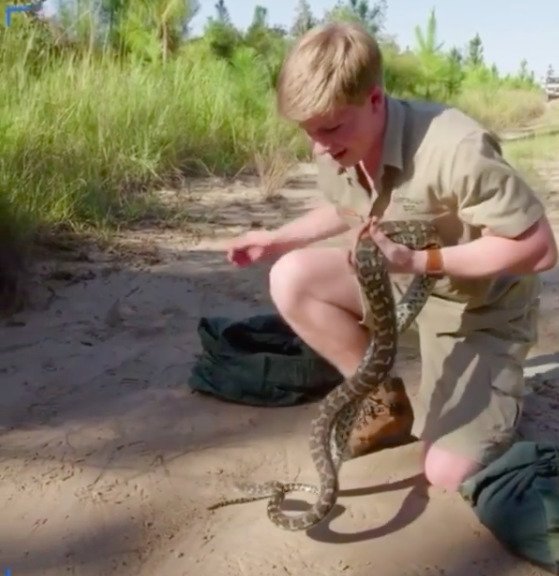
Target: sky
511 30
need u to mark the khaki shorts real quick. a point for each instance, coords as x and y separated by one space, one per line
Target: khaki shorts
472 385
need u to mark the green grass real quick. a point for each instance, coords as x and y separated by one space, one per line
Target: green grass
89 134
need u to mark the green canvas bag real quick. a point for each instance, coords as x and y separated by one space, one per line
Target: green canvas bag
259 361
517 498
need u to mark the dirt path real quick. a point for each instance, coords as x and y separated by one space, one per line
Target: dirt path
108 461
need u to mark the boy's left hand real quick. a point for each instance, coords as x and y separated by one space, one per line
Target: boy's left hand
399 258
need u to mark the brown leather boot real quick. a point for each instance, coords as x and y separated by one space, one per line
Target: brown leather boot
384 420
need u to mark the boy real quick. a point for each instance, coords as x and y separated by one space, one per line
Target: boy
392 159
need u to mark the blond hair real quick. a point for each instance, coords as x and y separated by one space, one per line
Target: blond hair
332 65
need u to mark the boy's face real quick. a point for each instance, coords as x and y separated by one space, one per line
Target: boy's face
352 133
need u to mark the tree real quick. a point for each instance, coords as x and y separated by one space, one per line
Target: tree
259 18
441 73
222 36
373 18
268 42
454 72
304 19
475 51
258 34
222 13
427 42
359 11
151 29
524 74
455 55
428 50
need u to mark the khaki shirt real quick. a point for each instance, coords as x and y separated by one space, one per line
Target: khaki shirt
440 165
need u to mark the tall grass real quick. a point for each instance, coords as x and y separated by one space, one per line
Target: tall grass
500 107
88 131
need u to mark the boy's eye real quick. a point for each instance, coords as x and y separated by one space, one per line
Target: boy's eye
332 128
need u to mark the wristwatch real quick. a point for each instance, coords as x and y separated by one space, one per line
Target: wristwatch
434 267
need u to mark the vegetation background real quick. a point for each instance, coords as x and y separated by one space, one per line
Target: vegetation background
121 99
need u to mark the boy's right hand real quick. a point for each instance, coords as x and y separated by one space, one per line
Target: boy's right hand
252 247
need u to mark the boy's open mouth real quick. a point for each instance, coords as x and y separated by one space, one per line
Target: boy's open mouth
339 154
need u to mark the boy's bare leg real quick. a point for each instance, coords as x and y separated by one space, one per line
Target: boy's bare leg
317 294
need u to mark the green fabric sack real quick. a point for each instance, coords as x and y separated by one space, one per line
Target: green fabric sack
517 498
259 361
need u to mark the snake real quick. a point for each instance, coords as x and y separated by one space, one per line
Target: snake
339 410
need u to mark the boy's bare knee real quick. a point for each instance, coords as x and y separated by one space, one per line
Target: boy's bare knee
287 279
447 470
311 275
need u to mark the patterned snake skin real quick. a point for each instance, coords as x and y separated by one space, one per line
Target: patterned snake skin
339 410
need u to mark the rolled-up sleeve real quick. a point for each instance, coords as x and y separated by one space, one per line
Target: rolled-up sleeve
489 192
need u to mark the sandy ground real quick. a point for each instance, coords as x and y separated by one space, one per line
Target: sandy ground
109 460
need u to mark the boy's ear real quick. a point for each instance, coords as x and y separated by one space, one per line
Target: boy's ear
376 97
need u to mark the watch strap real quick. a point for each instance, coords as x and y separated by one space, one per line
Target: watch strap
435 266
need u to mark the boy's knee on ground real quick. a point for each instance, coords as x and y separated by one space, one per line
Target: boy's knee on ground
446 470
